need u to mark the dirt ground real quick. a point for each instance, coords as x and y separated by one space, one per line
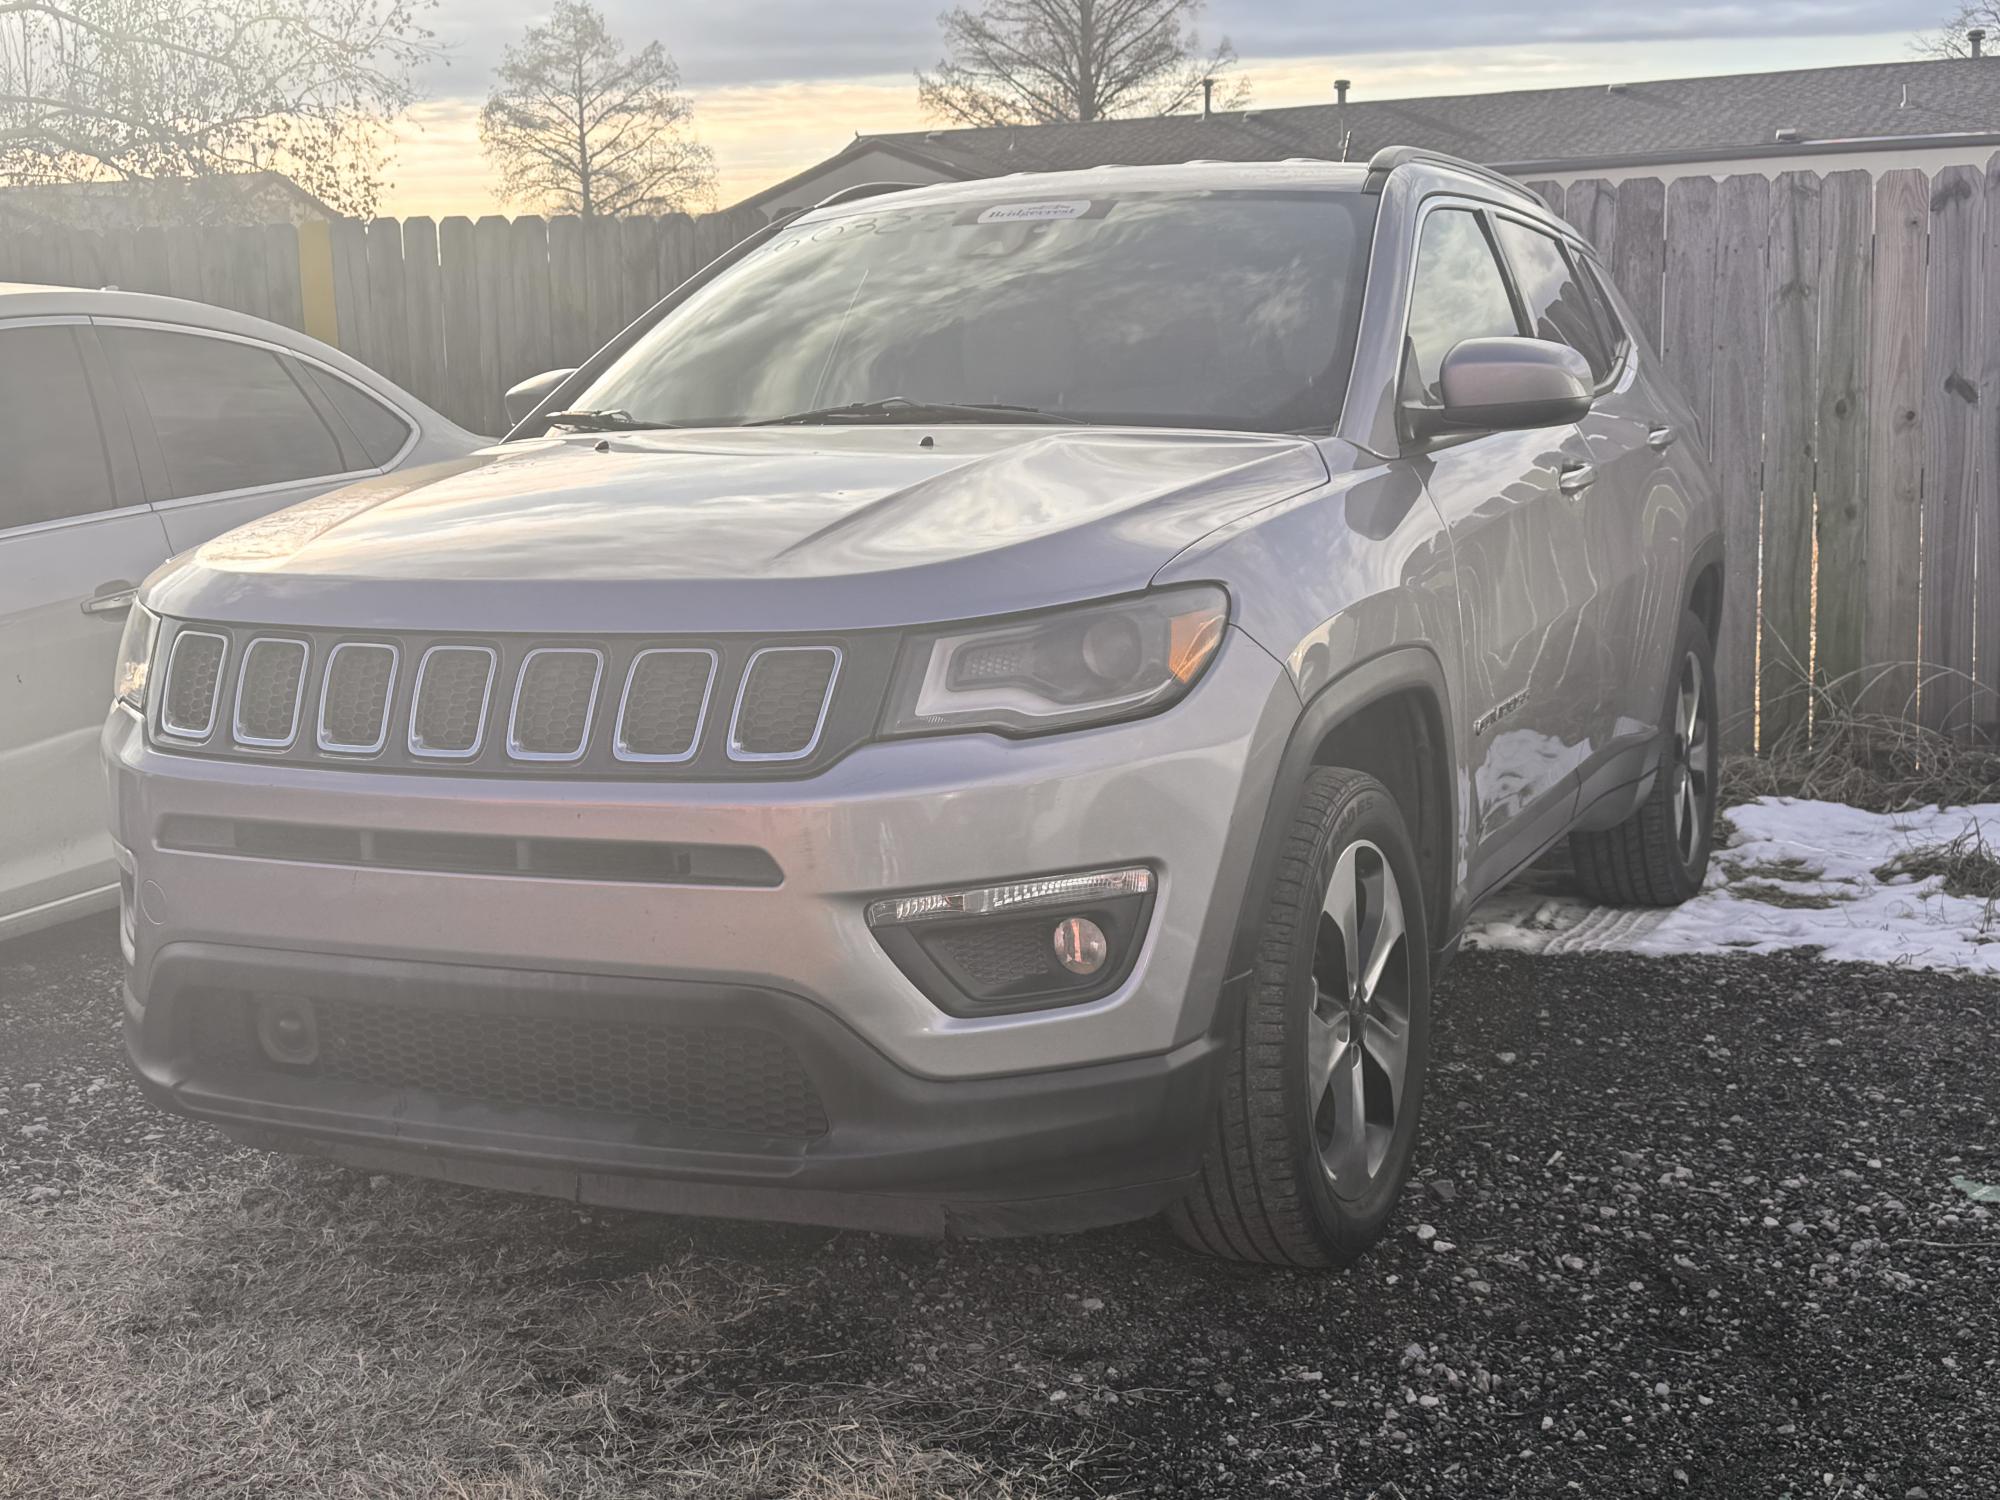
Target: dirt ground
1682 1227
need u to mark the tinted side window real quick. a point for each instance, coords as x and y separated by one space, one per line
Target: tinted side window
380 431
1558 306
1459 294
1600 304
54 464
228 416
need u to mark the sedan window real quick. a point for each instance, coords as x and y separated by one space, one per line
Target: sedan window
55 464
228 415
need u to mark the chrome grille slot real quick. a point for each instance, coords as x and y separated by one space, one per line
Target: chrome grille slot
354 703
782 704
194 675
664 705
270 687
555 699
453 691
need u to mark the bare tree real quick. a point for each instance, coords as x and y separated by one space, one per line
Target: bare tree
578 127
1954 40
1035 62
152 89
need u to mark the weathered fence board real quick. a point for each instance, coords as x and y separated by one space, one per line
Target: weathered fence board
1687 319
422 300
1897 289
1950 407
1846 214
1639 259
465 392
1986 604
1791 342
1737 422
389 308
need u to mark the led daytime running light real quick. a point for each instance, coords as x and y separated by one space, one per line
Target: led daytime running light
1018 895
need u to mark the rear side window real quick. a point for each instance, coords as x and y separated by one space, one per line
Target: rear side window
1559 308
380 431
228 416
1600 304
1459 293
54 465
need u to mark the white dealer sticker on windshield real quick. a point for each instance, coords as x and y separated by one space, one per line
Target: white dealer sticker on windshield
1034 213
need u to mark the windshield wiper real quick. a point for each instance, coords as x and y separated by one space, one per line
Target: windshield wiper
600 421
903 409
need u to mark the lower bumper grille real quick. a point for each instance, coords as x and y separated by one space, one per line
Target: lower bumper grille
724 1078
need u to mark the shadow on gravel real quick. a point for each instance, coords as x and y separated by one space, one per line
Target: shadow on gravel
1685 1228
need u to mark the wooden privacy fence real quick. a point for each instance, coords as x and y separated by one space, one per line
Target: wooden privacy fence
455 312
1838 336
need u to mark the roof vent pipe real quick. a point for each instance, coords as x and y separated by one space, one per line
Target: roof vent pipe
1977 37
1207 98
1340 88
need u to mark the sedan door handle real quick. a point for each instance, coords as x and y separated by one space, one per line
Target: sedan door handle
1577 476
115 600
1661 438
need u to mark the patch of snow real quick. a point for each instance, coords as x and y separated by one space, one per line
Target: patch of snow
1774 851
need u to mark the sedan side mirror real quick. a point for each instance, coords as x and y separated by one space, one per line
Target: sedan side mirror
532 392
1505 385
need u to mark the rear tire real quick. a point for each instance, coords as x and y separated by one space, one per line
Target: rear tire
1659 855
1317 1122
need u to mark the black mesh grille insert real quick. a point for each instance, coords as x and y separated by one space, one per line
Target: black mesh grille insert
995 956
783 698
663 703
451 700
354 710
192 675
267 698
553 705
728 1078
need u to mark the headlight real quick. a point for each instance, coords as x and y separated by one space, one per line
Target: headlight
1062 669
135 657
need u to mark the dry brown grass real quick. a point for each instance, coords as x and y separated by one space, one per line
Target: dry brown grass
1880 762
296 1331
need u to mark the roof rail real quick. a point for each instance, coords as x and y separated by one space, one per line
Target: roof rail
864 190
1385 161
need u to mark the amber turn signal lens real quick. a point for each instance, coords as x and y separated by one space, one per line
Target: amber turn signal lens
1192 639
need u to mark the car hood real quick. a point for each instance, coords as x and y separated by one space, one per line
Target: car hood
759 529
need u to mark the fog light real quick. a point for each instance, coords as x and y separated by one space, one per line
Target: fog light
1081 946
289 1031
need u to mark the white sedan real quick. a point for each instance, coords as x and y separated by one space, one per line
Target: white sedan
131 428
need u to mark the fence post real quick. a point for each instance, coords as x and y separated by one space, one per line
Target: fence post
1738 422
1791 344
1846 204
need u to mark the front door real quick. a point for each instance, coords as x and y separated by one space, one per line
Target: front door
75 540
1512 502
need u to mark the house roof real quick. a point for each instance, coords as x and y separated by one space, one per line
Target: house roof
1589 128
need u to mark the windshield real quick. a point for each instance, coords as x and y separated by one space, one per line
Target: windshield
1217 309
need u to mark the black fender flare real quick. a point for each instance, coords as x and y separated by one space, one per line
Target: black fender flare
1398 670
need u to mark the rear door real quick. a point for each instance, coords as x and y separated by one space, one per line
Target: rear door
1512 503
229 429
76 538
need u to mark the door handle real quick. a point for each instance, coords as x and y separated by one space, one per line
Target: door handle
1577 476
116 599
1661 438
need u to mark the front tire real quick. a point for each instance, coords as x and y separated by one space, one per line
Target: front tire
1659 855
1317 1123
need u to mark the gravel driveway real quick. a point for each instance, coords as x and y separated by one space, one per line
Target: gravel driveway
1686 1227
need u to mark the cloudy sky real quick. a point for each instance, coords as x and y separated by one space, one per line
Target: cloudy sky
780 84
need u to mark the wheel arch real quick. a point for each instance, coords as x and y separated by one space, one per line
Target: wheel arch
1389 717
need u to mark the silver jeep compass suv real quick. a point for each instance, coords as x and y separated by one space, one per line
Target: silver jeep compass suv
985 711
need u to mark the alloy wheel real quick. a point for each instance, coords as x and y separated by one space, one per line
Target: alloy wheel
1694 759
1358 1030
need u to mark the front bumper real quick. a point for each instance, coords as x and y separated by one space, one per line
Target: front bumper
1090 1112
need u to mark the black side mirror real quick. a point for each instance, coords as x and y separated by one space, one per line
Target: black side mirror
1505 385
532 392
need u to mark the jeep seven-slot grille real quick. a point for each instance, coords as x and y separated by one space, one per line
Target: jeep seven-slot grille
729 1078
724 707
